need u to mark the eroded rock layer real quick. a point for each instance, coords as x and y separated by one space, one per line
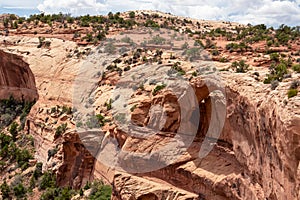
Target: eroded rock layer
16 78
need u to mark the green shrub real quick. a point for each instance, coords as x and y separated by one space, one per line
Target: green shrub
70 20
223 60
296 68
274 57
151 23
61 130
240 67
23 157
292 92
11 108
100 191
176 66
108 104
67 110
19 190
38 170
158 88
133 108
5 191
132 14
58 194
277 72
52 152
48 181
13 130
50 193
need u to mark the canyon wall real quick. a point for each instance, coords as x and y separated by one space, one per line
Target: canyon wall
16 78
256 156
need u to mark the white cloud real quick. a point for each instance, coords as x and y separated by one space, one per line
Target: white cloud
19 3
76 7
270 12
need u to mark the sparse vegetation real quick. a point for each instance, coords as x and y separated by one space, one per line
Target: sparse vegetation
277 72
292 92
158 88
240 67
11 108
274 48
176 66
60 130
296 68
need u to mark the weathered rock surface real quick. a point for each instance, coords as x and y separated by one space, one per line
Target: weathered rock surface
256 157
16 78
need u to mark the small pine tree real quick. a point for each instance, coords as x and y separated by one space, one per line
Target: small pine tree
5 190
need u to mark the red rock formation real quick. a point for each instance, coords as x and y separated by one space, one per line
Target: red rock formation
16 78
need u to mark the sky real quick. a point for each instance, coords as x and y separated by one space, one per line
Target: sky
269 12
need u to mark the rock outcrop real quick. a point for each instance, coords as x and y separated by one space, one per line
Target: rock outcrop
16 78
257 155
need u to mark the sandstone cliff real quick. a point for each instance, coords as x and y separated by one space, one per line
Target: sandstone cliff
255 157
16 78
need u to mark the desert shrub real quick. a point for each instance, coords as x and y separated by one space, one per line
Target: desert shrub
48 181
240 67
127 39
192 53
13 130
25 111
108 104
151 23
101 119
215 52
270 43
132 14
65 194
67 110
185 45
158 88
198 43
176 67
110 48
38 170
96 121
4 139
70 20
157 40
19 190
232 46
52 152
274 84
61 130
5 23
23 157
50 193
274 57
292 92
277 72
100 191
9 110
223 60
296 68
5 191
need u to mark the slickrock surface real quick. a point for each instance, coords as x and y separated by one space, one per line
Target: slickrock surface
257 155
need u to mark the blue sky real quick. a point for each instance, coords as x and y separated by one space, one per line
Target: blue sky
270 12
